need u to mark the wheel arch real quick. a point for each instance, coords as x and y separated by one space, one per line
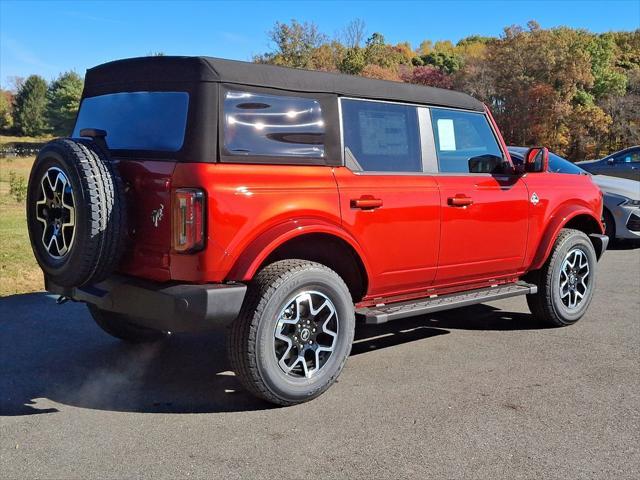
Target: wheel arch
577 219
318 242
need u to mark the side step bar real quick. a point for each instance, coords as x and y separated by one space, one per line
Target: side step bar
412 308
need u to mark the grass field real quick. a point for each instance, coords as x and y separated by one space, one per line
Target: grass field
19 272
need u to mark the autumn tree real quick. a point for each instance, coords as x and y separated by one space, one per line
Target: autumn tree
354 33
6 110
574 91
429 76
294 44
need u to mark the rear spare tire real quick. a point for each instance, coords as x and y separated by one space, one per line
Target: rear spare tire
76 213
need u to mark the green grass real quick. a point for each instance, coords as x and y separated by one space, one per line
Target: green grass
19 272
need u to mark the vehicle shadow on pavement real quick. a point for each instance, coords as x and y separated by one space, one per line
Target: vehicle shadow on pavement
624 245
51 356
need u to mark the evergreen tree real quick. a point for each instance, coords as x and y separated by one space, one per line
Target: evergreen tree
63 99
29 114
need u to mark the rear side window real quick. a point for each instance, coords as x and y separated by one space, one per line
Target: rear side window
154 121
272 125
461 137
381 137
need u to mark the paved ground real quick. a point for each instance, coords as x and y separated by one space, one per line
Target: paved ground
481 392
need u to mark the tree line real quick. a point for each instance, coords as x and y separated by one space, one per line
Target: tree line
37 108
569 89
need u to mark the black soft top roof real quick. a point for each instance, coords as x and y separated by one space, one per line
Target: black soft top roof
149 71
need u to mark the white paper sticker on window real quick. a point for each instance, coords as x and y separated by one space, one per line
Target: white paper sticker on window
446 135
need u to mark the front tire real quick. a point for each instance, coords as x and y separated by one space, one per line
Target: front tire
294 332
566 282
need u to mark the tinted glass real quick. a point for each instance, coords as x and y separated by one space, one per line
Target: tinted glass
137 120
560 165
381 137
557 164
632 156
461 137
273 125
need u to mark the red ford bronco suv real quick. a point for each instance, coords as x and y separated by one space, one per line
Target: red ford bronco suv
284 204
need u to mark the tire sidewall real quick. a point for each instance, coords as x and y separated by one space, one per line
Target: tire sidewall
53 156
286 387
581 241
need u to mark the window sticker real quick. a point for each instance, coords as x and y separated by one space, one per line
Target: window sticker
446 135
383 133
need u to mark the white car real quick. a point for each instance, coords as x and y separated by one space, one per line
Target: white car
621 196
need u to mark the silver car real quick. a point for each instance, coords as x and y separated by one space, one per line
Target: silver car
621 196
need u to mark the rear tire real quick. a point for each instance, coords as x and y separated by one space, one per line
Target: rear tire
120 326
566 282
294 332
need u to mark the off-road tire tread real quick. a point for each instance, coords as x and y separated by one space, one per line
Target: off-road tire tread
541 303
241 344
115 212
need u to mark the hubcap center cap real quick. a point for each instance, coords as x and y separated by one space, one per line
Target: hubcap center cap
305 333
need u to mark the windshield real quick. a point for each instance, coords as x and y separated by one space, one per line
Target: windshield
154 121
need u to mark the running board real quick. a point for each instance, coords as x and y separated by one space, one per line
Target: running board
392 311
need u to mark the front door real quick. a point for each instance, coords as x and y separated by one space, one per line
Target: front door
484 212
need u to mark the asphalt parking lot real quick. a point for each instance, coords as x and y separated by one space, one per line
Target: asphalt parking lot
480 392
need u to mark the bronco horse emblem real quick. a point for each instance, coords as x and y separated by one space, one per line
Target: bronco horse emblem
156 215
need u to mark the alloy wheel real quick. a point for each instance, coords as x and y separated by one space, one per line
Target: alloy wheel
575 279
56 211
306 334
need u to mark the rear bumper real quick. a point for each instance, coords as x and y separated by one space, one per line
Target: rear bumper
174 308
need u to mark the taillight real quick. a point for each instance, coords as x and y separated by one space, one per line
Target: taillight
187 223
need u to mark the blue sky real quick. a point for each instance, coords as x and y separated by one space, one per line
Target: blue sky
50 37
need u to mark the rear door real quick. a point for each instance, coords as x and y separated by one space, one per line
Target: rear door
484 215
388 203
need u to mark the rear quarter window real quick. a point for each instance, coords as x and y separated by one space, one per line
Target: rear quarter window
272 125
154 121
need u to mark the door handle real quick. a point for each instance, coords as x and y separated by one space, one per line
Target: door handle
459 201
366 203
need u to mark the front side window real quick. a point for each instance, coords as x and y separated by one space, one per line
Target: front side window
464 142
272 125
381 137
154 121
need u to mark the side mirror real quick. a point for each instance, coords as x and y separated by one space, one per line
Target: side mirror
489 164
536 160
